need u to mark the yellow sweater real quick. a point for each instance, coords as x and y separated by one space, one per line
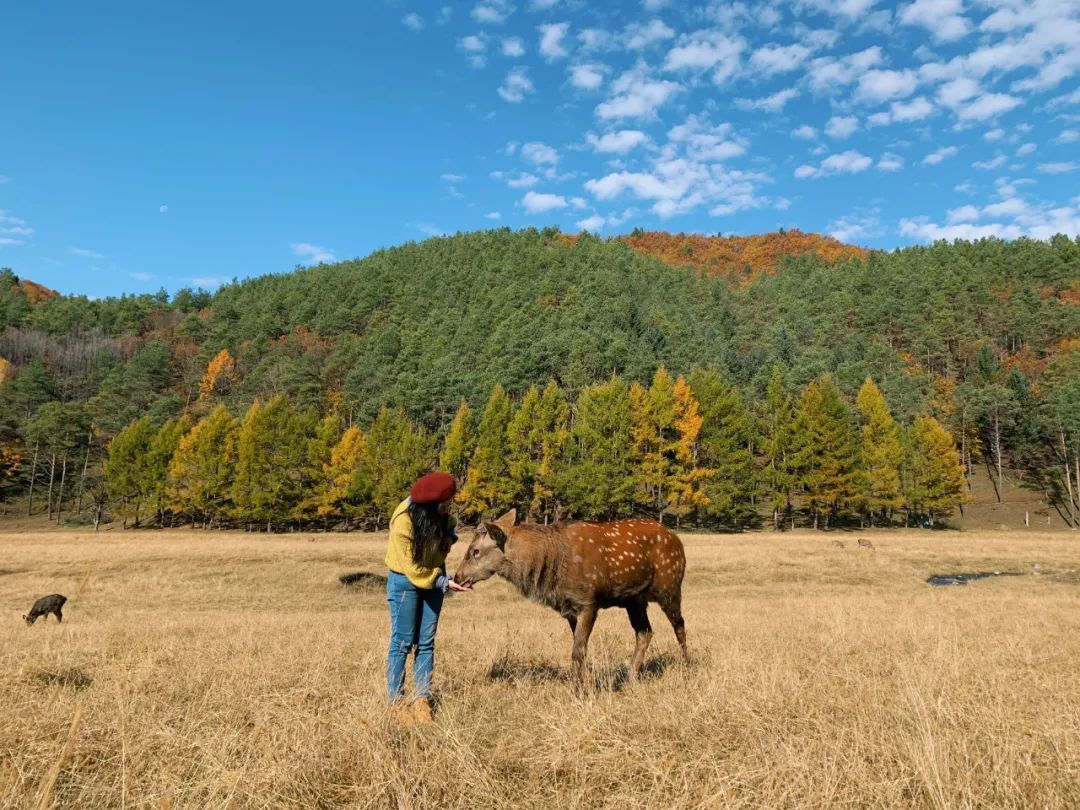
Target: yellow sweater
399 550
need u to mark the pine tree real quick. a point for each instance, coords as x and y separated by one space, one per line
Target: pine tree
270 456
395 454
320 446
488 488
597 478
201 470
459 444
882 453
777 430
725 449
827 455
936 481
127 468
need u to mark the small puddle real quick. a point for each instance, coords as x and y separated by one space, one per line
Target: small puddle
964 579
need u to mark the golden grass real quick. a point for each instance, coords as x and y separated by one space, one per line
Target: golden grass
212 670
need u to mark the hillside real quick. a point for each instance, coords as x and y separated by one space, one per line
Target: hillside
983 335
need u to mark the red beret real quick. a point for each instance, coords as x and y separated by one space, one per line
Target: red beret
433 488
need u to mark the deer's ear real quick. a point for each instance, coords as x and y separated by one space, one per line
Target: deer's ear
496 533
508 520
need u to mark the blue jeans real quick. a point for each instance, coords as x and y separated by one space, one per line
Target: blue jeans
414 617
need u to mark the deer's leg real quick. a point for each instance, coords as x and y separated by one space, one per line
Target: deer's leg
639 620
672 608
573 624
582 631
59 616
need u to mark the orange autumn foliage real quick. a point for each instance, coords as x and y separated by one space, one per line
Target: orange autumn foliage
740 259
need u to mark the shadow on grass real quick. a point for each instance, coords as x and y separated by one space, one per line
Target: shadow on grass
510 670
77 679
363 581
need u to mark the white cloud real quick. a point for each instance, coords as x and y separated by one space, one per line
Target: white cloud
914 110
993 163
841 126
1058 168
513 47
849 9
707 143
312 254
551 40
539 203
542 5
771 60
828 73
596 39
492 215
955 92
773 103
539 153
855 226
654 5
883 85
849 162
965 213
1068 136
13 230
593 223
474 46
1026 149
938 155
163 209
516 86
521 180
922 229
452 178
987 106
942 18
706 50
140 276
618 143
890 162
587 77
86 254
413 21
492 11
639 35
805 132
636 95
994 134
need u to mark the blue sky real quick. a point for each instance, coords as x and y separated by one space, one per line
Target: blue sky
147 145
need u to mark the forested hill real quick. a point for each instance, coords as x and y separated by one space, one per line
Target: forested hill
422 325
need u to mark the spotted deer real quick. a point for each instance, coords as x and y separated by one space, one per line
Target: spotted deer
583 567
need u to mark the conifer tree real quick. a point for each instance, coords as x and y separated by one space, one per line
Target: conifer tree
725 449
597 478
127 468
271 450
936 476
395 454
201 470
882 453
344 488
535 439
655 440
320 445
827 455
687 477
777 431
159 455
488 488
459 444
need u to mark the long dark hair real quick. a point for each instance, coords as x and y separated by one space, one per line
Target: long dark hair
429 527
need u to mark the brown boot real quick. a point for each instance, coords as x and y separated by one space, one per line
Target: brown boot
421 711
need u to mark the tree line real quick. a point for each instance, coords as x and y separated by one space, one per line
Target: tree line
687 450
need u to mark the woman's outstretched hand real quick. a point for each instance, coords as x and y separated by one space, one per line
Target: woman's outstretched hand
454 586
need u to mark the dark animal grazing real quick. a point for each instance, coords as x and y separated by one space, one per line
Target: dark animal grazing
580 568
837 544
53 603
866 543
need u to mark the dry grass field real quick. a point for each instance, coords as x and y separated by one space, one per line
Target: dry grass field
214 670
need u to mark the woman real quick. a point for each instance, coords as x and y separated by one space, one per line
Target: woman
421 533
